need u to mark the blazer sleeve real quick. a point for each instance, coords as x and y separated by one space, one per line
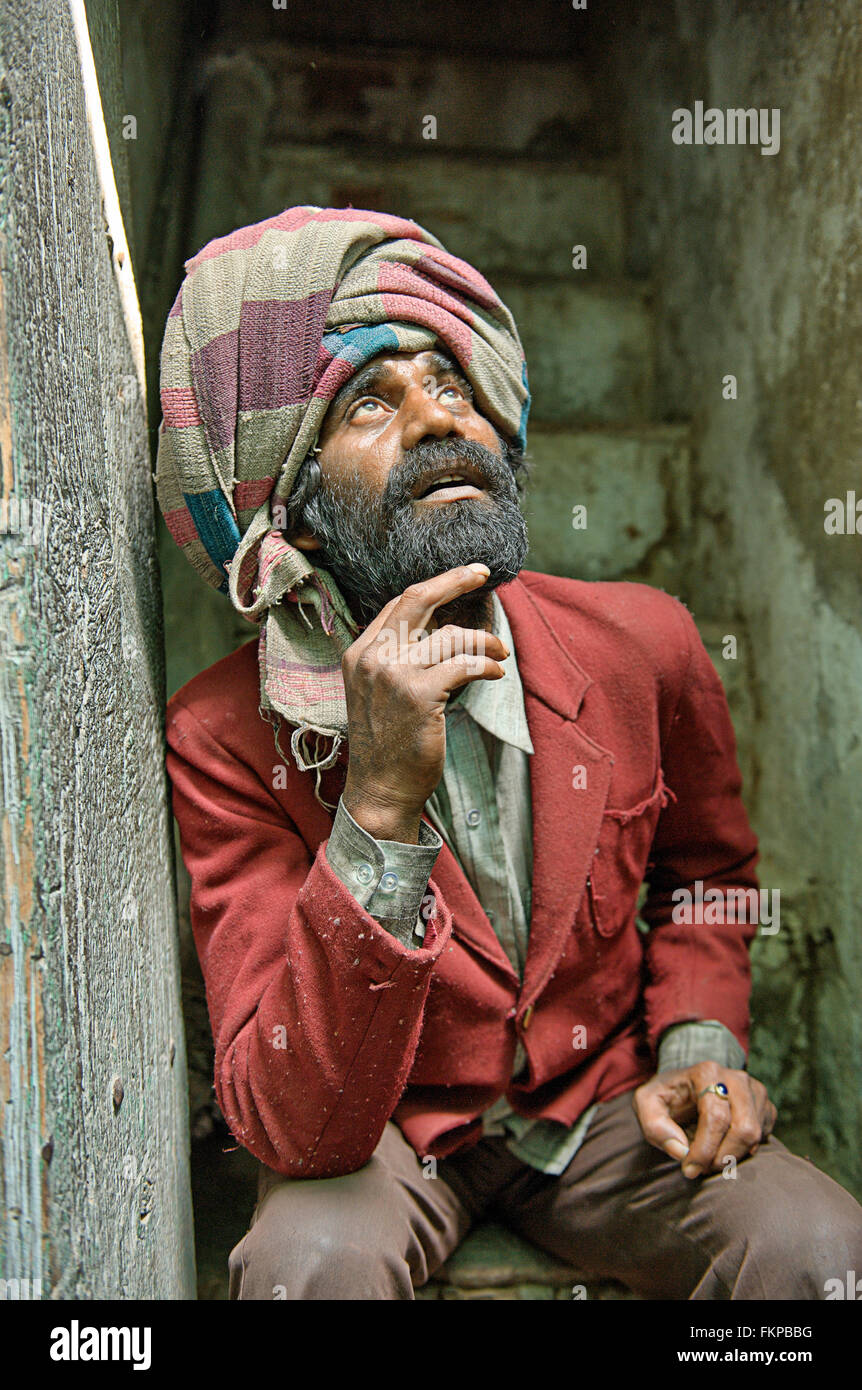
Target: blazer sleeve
699 971
316 1010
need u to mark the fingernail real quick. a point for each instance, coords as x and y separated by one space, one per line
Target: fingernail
505 649
691 1170
480 569
676 1148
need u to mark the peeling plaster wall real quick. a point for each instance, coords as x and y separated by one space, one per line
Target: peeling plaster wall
757 271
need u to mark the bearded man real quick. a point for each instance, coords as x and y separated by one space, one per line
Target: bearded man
430 994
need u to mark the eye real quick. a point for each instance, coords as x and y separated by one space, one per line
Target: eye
361 405
463 392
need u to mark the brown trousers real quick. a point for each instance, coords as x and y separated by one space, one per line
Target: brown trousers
622 1210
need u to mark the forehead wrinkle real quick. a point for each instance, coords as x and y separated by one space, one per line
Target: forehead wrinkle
373 373
444 362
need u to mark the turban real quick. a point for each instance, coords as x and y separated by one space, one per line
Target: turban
268 325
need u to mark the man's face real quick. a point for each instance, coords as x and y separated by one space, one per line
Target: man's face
414 481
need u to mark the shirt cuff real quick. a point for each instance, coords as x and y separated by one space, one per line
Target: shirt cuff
686 1044
386 877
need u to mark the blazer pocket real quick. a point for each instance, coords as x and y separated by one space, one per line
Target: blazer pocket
619 866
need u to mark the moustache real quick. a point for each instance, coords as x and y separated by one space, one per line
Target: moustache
436 457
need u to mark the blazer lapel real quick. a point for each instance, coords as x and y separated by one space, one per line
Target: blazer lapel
566 819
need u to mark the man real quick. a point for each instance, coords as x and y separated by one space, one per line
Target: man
429 992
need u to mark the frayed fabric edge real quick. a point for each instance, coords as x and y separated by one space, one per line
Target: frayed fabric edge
662 795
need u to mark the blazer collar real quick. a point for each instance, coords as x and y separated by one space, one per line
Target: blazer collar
549 669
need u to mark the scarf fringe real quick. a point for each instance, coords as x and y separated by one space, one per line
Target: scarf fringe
300 750
303 763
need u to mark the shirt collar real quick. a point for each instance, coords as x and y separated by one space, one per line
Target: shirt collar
498 706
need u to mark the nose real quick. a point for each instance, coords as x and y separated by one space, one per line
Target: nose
424 415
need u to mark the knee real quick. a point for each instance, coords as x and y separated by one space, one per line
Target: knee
309 1244
830 1244
326 1264
809 1247
802 1232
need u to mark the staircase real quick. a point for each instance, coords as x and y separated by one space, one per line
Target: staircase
506 186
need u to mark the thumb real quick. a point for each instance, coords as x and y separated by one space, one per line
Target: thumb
676 1145
660 1130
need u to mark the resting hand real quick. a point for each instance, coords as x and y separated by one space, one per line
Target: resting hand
732 1125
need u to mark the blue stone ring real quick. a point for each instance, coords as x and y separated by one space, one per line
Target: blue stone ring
717 1088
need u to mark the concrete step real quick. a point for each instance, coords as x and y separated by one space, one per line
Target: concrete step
510 32
493 1263
634 483
380 95
589 349
518 216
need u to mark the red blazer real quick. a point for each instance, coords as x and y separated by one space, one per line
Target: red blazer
325 1026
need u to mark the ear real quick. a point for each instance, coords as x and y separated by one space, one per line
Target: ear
304 540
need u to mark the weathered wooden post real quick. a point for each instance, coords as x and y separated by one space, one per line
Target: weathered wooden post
93 1113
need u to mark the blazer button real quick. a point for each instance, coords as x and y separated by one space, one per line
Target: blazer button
528 1014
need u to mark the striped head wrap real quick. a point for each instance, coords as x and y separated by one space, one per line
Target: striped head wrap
268 325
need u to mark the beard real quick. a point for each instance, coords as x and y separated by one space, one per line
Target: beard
376 545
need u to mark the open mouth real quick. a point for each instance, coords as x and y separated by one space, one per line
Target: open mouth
449 487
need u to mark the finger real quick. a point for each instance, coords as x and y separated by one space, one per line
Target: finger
657 1126
417 604
399 615
445 642
769 1117
713 1122
745 1131
438 682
